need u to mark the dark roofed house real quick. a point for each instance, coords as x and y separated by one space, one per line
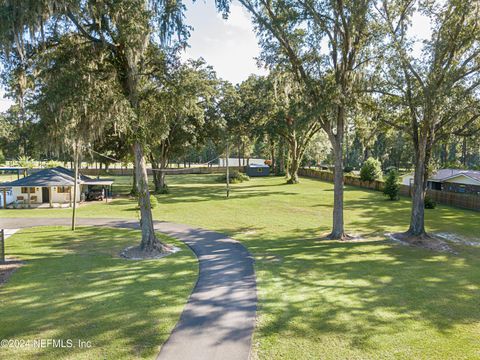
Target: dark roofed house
53 187
456 180
257 170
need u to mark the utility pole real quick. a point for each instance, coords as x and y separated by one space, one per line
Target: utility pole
75 166
228 171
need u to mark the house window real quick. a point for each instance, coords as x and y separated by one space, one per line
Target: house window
25 190
63 189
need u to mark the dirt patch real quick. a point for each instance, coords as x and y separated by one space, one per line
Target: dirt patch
136 253
457 239
427 241
345 237
8 268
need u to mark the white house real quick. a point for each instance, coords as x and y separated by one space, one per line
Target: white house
6 197
242 161
452 180
52 187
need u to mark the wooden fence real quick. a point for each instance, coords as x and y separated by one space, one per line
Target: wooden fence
465 201
170 171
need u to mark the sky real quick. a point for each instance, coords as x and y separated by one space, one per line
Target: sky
230 45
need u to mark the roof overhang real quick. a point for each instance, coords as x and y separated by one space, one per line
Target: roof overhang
456 176
103 182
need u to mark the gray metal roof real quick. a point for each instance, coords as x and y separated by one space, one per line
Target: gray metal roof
57 176
12 168
444 174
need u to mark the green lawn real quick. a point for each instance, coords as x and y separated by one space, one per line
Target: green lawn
330 299
74 286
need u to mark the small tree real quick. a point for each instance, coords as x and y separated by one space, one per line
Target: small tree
371 170
392 187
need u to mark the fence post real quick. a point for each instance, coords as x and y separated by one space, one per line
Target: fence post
2 246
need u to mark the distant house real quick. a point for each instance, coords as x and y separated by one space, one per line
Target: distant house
257 170
53 187
240 161
6 197
452 180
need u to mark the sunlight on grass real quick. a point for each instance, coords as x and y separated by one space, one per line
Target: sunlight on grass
74 286
330 299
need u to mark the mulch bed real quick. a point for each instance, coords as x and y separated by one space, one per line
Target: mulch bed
427 241
135 253
8 268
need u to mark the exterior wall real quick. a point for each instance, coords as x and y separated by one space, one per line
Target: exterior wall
60 197
35 198
57 198
234 161
9 197
461 188
463 180
257 171
406 179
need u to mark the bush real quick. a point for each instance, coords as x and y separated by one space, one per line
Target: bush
153 202
2 158
392 187
52 163
348 169
371 170
163 190
429 203
235 177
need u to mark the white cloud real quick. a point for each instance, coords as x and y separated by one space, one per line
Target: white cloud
238 18
4 103
229 45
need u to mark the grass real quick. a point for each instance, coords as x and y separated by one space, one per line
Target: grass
331 299
74 286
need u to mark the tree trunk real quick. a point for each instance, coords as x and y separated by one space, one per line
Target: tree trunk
243 153
293 171
155 174
464 151
75 185
338 231
228 170
272 155
238 152
293 161
281 159
149 241
417 218
133 191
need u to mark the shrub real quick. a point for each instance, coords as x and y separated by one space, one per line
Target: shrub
392 187
348 169
429 203
371 170
52 163
2 158
163 190
153 202
235 177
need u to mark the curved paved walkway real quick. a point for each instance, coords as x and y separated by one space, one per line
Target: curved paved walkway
219 317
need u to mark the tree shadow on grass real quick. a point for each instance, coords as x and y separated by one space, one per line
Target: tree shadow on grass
361 291
74 286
